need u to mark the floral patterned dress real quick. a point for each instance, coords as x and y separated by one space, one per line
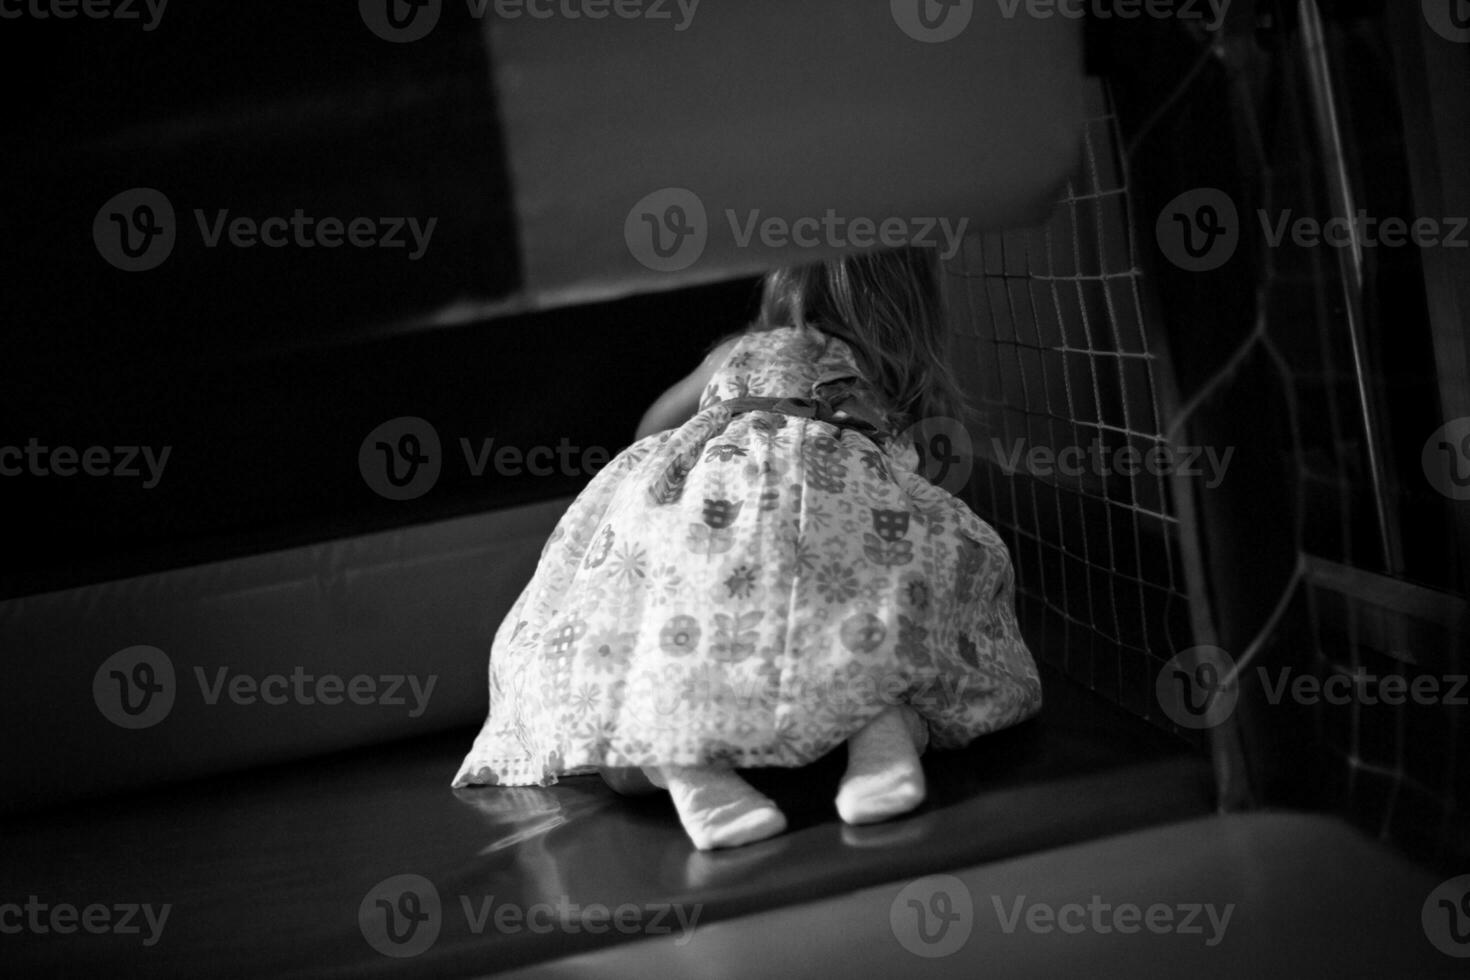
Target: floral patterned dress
750 589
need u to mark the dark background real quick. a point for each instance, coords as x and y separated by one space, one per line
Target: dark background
265 368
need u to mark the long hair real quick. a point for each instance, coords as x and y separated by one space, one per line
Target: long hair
889 308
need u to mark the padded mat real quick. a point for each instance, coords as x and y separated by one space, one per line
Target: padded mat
1273 895
419 603
266 872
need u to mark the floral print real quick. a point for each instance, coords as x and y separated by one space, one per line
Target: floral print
679 636
750 589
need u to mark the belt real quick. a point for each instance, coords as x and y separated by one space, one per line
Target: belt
815 407
669 484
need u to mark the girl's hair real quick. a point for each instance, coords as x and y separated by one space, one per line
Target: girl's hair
889 308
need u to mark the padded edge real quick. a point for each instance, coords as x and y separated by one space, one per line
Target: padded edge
1308 896
415 605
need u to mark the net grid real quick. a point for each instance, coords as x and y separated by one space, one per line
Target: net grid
1055 350
1051 321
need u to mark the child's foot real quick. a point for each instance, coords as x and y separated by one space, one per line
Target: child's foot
884 777
717 807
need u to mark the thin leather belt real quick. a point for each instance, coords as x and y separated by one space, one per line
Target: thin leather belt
816 407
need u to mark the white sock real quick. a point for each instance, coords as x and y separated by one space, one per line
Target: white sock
884 777
717 807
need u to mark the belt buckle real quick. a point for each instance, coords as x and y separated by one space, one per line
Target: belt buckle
804 407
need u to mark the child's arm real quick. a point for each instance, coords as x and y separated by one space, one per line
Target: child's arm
677 405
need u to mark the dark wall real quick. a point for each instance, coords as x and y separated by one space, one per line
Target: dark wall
264 450
263 369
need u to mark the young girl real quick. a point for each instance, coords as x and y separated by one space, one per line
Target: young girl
764 575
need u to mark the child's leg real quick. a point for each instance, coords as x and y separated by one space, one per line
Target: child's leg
717 807
884 777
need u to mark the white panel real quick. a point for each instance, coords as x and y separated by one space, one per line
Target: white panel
787 109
